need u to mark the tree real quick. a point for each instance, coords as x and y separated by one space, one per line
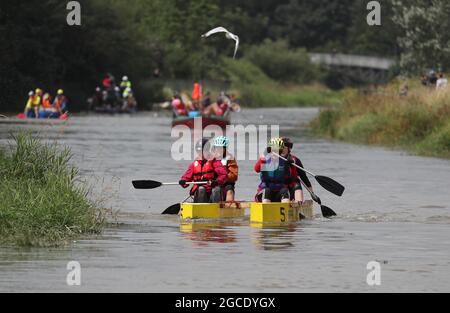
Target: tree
314 24
425 38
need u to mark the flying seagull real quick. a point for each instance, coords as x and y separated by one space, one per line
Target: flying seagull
229 35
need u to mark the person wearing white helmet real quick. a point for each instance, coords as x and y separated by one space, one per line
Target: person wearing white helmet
205 169
220 147
29 107
125 84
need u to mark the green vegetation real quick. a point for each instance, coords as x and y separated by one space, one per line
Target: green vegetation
419 122
424 39
43 201
267 86
137 38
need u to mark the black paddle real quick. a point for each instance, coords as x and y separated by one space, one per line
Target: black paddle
173 209
326 211
151 184
326 182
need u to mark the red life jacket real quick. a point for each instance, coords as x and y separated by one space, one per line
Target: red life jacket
203 171
223 108
179 107
293 174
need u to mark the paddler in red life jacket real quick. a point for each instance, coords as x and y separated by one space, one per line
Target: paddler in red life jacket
220 108
178 106
274 174
205 169
295 187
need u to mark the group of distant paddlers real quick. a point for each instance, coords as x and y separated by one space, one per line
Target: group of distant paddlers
202 104
41 105
113 98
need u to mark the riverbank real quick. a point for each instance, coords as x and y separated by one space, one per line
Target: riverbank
275 95
43 201
418 122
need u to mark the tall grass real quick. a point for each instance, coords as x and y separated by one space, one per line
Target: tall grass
256 89
43 202
419 122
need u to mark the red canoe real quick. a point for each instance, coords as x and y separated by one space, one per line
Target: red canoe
220 121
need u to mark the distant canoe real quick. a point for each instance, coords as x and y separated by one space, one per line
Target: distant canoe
20 119
220 121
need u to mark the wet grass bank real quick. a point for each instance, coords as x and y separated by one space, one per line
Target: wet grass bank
44 202
418 122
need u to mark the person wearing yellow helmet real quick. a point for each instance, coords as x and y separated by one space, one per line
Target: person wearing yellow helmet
274 174
60 102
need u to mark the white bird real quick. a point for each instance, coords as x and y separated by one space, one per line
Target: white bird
229 35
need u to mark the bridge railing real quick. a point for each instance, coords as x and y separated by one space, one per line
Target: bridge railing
347 60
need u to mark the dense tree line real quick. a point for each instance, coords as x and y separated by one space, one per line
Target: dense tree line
137 37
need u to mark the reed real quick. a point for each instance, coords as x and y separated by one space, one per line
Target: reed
418 122
44 202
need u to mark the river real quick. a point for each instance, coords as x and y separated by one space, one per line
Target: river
395 210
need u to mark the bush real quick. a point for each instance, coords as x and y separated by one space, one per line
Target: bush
418 122
362 129
278 61
256 89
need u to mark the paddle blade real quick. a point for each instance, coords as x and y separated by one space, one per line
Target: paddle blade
172 210
327 212
330 185
146 184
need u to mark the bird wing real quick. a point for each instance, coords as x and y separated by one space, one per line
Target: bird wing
236 38
219 29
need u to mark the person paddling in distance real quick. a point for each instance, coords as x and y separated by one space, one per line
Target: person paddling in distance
220 145
205 168
274 174
295 185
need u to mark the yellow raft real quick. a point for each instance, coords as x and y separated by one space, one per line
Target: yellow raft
259 212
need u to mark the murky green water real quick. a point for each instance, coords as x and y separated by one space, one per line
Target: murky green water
396 210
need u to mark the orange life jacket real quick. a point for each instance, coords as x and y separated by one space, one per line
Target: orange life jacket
46 103
60 99
203 171
196 93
